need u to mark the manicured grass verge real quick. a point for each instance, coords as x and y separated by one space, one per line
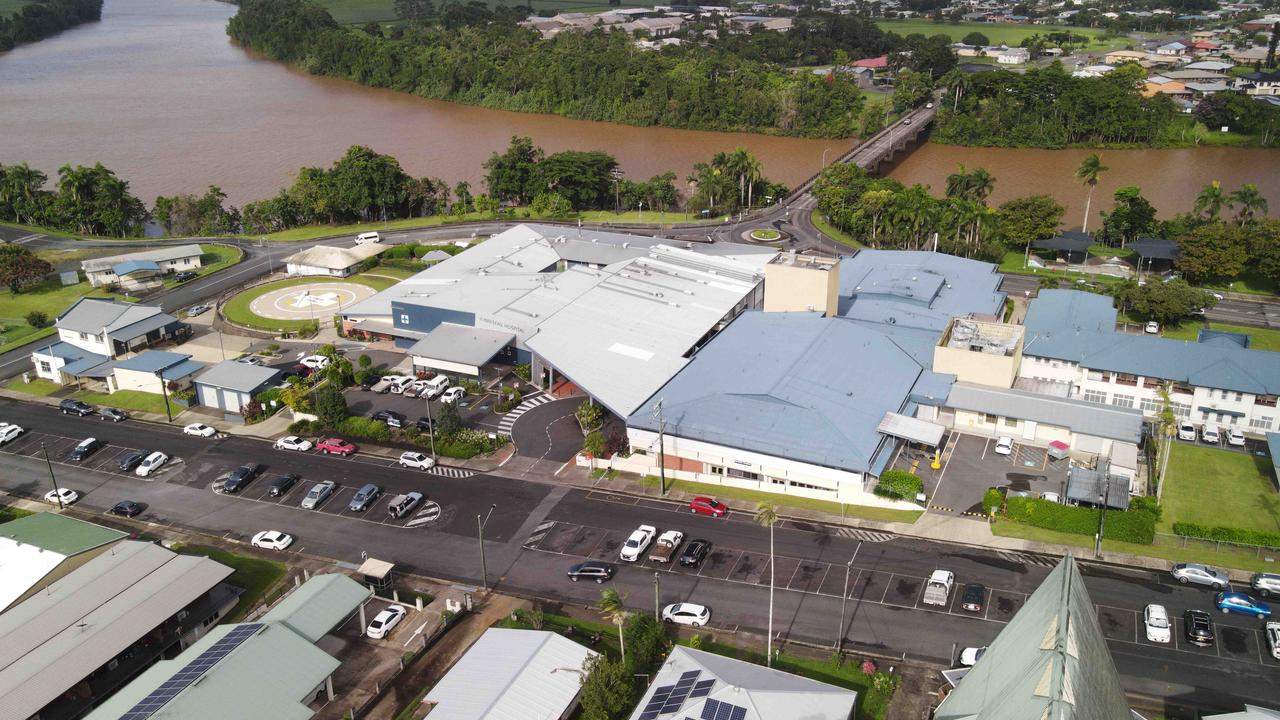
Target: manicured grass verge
37 386
395 272
237 308
22 335
784 501
1240 485
12 513
1013 262
50 298
375 280
832 231
312 232
648 216
582 630
255 575
128 400
1263 338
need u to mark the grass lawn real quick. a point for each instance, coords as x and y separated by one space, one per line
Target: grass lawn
1014 262
37 386
648 216
1243 494
12 513
832 231
255 575
1263 338
1251 283
395 272
785 501
998 33
237 308
582 630
127 400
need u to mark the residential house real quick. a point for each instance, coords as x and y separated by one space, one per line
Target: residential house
1173 49
154 371
1014 56
95 331
1259 83
1117 57
875 64
1261 24
1216 66
141 270
332 261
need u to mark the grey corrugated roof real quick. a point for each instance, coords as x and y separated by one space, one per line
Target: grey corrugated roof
1106 421
152 361
132 266
127 329
232 375
763 693
1058 310
181 370
1087 485
122 321
1051 661
461 344
317 607
69 352
161 255
917 289
511 675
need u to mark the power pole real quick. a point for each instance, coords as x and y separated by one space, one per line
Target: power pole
844 599
164 390
657 594
1102 516
484 569
662 447
56 491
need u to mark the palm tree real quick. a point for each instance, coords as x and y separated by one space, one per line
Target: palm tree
767 515
873 203
614 607
981 183
958 182
754 172
1090 168
1250 202
1211 199
957 81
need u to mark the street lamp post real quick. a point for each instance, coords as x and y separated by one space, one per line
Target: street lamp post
164 390
484 569
57 493
844 599
657 593
1102 517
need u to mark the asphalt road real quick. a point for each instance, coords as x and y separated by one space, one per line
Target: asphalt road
537 530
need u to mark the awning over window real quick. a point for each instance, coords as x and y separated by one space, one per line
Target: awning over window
1220 411
911 429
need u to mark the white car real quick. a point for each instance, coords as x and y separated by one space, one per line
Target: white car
1209 434
1186 431
687 614
1152 328
971 655
384 622
1051 497
416 460
293 442
315 362
1235 436
272 540
8 432
67 496
251 360
199 429
151 463
1156 618
635 545
1272 631
453 395
1004 446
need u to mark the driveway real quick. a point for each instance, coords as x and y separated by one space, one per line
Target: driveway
971 466
549 432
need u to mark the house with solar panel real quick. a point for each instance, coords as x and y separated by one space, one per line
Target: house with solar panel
141 271
698 685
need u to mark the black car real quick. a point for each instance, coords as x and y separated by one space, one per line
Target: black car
239 478
113 415
369 381
425 425
281 485
86 448
973 597
695 552
390 417
591 570
75 407
1198 626
126 508
184 276
129 462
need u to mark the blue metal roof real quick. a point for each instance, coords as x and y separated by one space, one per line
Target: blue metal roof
1223 337
133 266
67 351
916 288
1057 310
181 370
152 361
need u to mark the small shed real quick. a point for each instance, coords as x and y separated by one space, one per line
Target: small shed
1086 486
229 385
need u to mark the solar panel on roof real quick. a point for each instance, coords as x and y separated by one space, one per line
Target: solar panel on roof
158 698
669 698
702 689
716 710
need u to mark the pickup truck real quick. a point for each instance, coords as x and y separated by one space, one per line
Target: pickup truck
665 548
938 588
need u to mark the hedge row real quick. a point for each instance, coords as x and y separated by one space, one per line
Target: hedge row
899 484
464 444
1227 534
1138 525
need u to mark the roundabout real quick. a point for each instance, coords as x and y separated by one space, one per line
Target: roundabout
291 304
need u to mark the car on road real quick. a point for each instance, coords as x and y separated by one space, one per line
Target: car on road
1151 328
971 655
251 360
1235 437
130 461
87 447
315 362
336 446
1209 434
184 276
127 508
75 407
272 540
906 121
591 570
9 432
402 505
240 478
317 494
1241 604
453 395
390 418
1186 431
281 484
113 415
973 596
364 497
686 614
635 545
199 430
1004 446
1198 627
384 622
1266 584
1197 574
703 505
695 552
1156 620
67 496
416 460
196 310
1272 632
928 106
151 463
293 442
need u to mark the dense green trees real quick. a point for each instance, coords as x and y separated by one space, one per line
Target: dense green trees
731 181
42 19
188 215
20 268
1164 302
88 200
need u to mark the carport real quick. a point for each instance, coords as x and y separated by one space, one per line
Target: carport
1149 250
1068 241
1087 486
913 430
459 349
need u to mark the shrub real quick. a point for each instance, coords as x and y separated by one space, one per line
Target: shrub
472 387
37 319
589 415
302 427
646 641
508 399
899 484
1135 526
364 428
1227 534
465 443
364 361
991 501
594 444
524 371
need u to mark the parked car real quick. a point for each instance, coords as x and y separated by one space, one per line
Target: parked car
1052 497
938 588
686 614
293 442
199 429
971 655
591 570
436 387
1241 604
130 461
113 415
75 407
67 495
1266 584
151 463
272 540
384 622
1209 434
281 484
1004 446
364 497
317 494
416 460
415 388
383 384
973 597
1151 328
453 394
9 432
400 383
1186 431
425 425
703 505
402 505
1272 631
390 418
695 552
315 362
666 545
1197 574
336 446
1156 619
126 508
635 545
240 478
251 360
196 310
87 447
1198 627
184 276
1235 437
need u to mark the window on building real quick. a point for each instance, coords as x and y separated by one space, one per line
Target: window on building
1094 375
404 319
1011 422
1265 400
45 367
1150 405
989 419
715 469
186 261
1124 401
745 475
1204 415
1182 389
1125 379
84 336
1239 397
1095 396
1181 410
807 486
1233 419
1261 422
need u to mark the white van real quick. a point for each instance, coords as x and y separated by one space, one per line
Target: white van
369 237
435 386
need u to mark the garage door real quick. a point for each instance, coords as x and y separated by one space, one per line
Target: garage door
231 401
209 396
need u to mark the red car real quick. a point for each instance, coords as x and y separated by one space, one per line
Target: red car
336 446
708 506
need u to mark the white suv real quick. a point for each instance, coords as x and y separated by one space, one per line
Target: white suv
1235 437
1186 431
417 460
635 545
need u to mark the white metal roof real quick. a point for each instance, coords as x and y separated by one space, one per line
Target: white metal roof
335 258
912 429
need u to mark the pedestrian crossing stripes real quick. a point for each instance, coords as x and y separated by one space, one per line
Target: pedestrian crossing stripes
459 473
427 515
865 535
510 418
538 533
1028 558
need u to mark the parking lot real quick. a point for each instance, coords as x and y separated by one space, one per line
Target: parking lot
105 459
971 466
474 409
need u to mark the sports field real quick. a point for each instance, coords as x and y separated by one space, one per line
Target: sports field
997 33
